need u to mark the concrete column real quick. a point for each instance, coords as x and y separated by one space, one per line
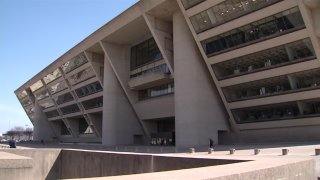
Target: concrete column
199 112
120 123
42 129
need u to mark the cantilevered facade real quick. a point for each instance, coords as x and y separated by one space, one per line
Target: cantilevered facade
178 72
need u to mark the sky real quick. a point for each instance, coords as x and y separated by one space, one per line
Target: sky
34 33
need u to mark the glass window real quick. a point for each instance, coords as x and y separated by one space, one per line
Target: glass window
190 3
36 86
89 89
258 30
47 103
156 91
93 103
52 76
144 53
70 109
58 87
226 11
22 94
51 114
63 98
74 63
82 76
64 129
294 52
41 94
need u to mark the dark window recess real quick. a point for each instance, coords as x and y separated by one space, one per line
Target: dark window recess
64 98
51 114
89 89
64 129
265 28
93 103
70 109
144 53
190 3
84 128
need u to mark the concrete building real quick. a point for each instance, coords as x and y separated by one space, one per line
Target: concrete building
178 72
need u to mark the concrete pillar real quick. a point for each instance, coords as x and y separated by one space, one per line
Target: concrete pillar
42 129
199 112
120 123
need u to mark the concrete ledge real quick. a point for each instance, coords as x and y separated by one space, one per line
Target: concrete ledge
8 160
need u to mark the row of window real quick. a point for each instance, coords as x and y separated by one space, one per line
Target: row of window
156 91
81 76
274 57
226 11
89 89
81 92
144 53
160 68
74 63
282 111
93 103
300 81
254 32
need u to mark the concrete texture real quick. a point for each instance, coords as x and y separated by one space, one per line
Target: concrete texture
45 163
83 164
198 109
9 161
299 164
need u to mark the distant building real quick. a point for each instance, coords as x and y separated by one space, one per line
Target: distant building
168 72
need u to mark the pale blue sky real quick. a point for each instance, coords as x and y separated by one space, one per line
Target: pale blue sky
33 33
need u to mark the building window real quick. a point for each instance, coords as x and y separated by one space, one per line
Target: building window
84 128
156 91
74 63
52 76
190 3
300 81
63 98
93 103
36 86
70 109
64 129
41 94
226 11
290 53
89 89
257 31
46 103
276 112
160 68
81 76
144 53
58 87
51 114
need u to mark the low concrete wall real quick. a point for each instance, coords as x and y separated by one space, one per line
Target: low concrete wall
46 164
84 164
